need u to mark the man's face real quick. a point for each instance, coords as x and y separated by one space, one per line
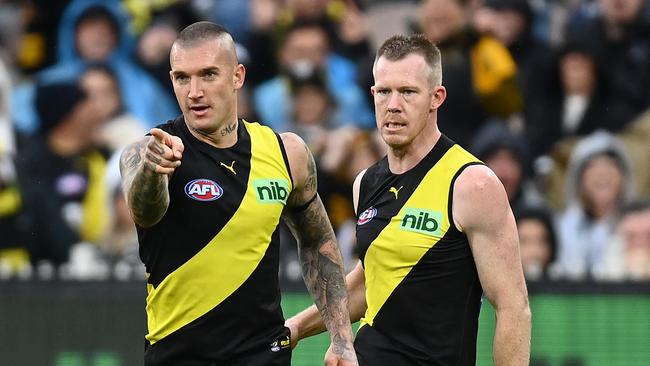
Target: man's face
440 19
96 39
103 92
404 99
507 167
304 49
206 77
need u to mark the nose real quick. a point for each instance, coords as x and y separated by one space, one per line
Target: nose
196 89
393 105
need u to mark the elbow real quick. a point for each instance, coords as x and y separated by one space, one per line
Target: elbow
146 220
527 315
145 223
147 217
518 310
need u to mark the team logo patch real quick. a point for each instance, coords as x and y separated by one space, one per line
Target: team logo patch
367 215
203 189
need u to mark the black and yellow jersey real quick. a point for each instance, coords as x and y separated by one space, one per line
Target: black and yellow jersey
422 287
212 261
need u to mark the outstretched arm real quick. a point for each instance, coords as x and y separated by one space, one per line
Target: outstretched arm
481 210
320 256
145 166
308 322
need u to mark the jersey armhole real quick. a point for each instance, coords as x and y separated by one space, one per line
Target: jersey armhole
450 200
285 158
362 184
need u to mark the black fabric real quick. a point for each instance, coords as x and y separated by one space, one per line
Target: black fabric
179 236
445 310
431 317
376 182
241 328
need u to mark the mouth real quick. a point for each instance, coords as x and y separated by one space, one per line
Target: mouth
199 110
393 126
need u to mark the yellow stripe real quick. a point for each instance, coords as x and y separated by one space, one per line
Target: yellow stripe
94 223
395 251
232 255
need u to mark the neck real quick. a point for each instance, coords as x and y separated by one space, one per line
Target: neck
223 137
404 158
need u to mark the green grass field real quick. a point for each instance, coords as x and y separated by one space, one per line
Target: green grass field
586 330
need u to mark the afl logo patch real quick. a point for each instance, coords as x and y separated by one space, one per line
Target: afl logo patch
367 215
203 190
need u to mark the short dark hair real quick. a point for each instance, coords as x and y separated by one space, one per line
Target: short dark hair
399 46
201 31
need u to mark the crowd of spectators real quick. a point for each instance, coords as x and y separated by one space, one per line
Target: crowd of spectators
554 96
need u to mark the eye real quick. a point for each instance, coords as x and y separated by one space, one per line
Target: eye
408 92
383 92
182 79
210 75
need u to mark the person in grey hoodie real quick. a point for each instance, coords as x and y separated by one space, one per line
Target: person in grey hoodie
598 183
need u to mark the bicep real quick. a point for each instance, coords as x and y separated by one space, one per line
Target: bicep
482 209
303 169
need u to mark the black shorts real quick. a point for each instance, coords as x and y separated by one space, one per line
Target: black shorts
276 353
373 349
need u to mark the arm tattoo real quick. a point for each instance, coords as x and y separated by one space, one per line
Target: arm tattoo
145 191
311 182
322 265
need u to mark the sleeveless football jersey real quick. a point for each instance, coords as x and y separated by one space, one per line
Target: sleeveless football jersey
212 261
422 287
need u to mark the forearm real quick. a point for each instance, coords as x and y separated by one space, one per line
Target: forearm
512 337
148 198
322 269
323 275
145 191
309 322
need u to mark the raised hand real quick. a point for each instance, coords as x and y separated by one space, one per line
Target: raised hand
163 152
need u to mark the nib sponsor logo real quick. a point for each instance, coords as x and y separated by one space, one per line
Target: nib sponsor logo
421 221
271 190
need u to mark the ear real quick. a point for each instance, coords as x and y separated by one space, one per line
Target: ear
239 76
372 90
438 97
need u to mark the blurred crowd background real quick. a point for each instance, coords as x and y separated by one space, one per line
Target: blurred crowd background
553 95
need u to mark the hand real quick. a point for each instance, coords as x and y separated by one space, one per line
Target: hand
346 359
163 153
293 329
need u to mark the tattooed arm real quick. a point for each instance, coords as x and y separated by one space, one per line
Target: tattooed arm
320 256
308 322
145 166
